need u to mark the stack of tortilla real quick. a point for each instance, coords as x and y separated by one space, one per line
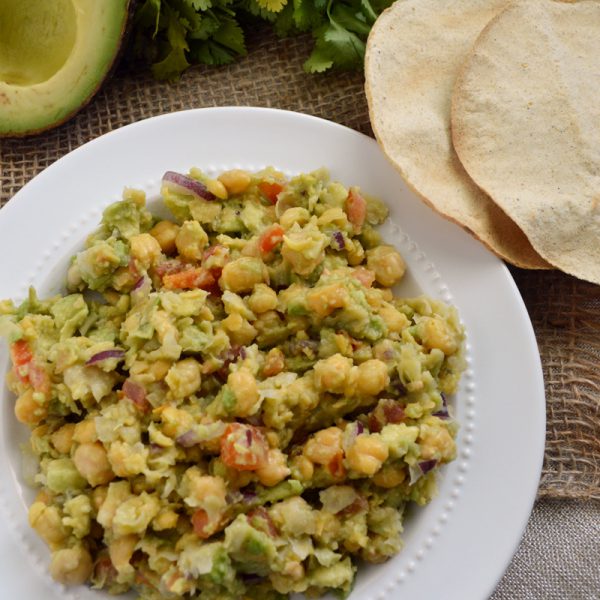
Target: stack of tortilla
491 112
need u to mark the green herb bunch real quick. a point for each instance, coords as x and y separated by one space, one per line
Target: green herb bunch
174 34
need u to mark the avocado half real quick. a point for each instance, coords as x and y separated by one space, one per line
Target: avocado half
54 56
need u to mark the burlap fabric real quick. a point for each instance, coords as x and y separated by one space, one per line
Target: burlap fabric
565 312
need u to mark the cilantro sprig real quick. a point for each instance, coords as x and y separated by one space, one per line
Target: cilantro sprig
171 35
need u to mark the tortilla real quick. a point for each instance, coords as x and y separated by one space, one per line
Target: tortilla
526 125
414 53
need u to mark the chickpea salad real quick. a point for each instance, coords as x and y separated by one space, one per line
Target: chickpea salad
232 403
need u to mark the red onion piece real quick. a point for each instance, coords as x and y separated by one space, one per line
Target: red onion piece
137 394
118 354
443 412
139 283
359 428
338 240
188 439
249 496
427 465
179 183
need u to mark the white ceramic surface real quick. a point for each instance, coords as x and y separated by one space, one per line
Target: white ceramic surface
458 546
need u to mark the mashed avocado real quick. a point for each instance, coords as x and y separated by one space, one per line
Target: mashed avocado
243 407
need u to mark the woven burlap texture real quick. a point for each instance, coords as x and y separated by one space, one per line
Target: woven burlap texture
565 312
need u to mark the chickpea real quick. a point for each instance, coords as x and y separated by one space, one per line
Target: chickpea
302 468
159 369
99 496
324 446
243 385
393 318
239 330
387 264
355 253
47 522
274 363
389 476
28 410
71 566
199 488
184 378
296 214
191 240
92 462
85 431
165 233
62 439
236 180
126 460
242 274
275 470
325 299
436 442
434 334
165 519
145 249
372 377
74 279
263 298
331 374
367 454
216 187
176 421
120 552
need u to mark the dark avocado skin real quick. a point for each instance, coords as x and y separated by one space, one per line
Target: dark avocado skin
118 52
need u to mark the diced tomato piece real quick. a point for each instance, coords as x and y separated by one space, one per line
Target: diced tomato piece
356 209
20 353
270 190
243 447
21 356
336 466
38 378
394 412
189 279
272 236
200 523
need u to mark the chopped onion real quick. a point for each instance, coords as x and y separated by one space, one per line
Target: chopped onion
338 240
139 283
118 354
155 449
188 439
288 201
249 496
137 394
427 465
337 498
179 183
443 412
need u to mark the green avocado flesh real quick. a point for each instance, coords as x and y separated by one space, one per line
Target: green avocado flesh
54 55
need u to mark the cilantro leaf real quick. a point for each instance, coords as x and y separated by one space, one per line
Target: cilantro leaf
175 61
173 34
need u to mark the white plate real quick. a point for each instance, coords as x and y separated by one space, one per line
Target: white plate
459 545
